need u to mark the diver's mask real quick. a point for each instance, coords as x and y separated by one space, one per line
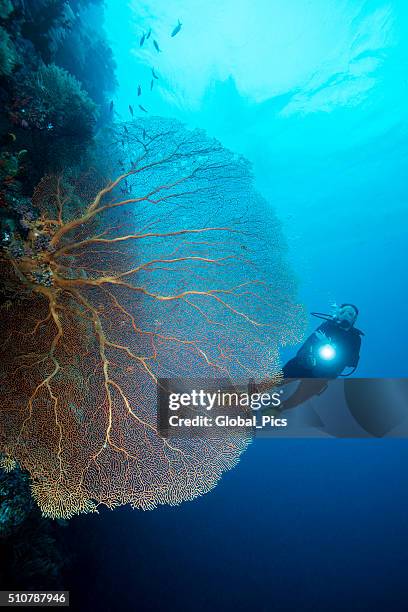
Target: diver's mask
336 317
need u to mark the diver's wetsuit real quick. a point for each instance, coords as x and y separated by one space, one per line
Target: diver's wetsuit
347 344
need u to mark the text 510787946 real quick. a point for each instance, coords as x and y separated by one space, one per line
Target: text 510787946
34 598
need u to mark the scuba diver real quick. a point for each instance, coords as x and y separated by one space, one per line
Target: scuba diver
332 348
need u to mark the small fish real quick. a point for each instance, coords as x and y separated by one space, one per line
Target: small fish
156 46
142 108
142 39
154 74
131 110
126 130
144 134
177 28
148 34
111 106
139 90
151 84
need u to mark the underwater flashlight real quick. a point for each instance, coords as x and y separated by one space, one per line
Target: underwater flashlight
327 352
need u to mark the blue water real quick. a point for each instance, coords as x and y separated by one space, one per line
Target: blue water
314 93
299 525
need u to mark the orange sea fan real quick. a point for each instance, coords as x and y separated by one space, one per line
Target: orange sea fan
174 267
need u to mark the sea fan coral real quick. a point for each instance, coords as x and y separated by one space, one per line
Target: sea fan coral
167 270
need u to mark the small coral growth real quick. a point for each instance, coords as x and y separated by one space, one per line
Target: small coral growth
8 55
62 100
53 104
15 499
6 8
29 544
